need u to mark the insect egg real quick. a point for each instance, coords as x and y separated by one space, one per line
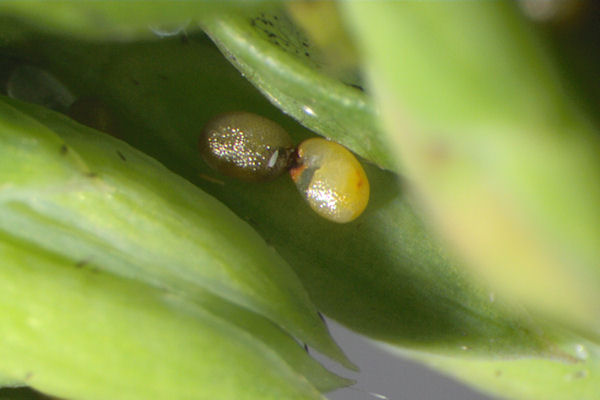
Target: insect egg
246 146
38 86
331 180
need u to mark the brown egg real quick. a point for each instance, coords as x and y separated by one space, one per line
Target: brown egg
246 146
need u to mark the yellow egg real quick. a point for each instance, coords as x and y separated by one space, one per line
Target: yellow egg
331 179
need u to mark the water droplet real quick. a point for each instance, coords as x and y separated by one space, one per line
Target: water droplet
35 85
373 394
163 31
378 396
581 352
309 111
464 348
492 297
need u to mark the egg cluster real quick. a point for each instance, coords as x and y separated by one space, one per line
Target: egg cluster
250 147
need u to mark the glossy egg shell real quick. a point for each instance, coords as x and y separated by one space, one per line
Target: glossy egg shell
331 180
245 146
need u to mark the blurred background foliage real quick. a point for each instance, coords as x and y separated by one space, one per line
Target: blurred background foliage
477 123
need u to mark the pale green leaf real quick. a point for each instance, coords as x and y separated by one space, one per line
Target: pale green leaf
491 136
80 333
114 19
293 74
528 379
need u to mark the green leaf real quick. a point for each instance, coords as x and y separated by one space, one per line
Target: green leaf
529 379
82 333
502 158
98 201
120 20
52 200
293 74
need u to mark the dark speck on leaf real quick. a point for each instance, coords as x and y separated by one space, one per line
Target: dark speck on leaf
305 347
81 263
91 174
356 87
580 374
135 81
121 156
64 149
